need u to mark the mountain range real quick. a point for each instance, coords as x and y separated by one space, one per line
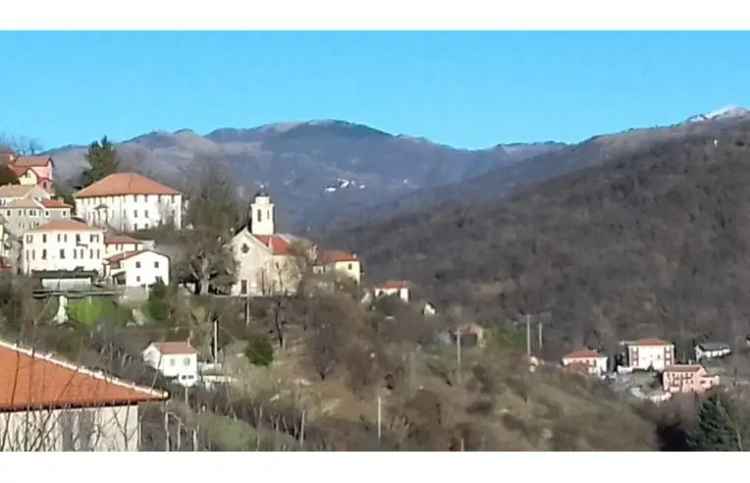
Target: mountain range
327 172
317 171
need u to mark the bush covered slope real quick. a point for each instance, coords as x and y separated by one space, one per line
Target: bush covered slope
650 243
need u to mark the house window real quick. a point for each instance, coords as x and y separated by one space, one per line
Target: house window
44 254
145 213
137 264
33 254
62 254
135 213
138 279
186 361
349 267
260 215
97 253
245 248
243 288
29 238
171 362
78 239
91 253
156 264
46 213
65 238
44 238
59 237
75 254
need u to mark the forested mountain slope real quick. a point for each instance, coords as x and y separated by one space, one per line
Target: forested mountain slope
652 243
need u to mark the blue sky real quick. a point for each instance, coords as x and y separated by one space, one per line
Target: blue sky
467 89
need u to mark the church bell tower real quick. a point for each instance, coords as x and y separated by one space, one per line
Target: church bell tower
261 214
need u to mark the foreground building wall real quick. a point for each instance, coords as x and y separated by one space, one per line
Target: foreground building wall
113 428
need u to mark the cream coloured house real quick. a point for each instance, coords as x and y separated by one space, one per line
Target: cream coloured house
340 262
34 171
129 202
400 288
63 245
52 405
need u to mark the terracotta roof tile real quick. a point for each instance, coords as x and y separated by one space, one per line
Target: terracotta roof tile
278 245
34 380
332 256
582 354
32 161
113 238
650 341
394 284
178 347
16 190
125 184
65 225
55 204
23 203
684 368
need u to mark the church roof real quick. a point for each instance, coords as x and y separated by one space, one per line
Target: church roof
278 244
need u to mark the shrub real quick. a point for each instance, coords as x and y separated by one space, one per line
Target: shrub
259 351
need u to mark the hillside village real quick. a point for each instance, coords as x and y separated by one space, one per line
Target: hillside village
107 261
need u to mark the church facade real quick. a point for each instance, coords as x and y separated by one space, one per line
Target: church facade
268 263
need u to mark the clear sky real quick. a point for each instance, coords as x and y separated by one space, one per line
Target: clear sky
467 89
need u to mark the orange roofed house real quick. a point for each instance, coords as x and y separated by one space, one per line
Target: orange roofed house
52 405
687 378
338 261
33 171
399 288
129 202
589 361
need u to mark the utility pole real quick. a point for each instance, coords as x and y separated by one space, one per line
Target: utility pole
247 311
528 335
186 396
541 324
458 354
166 428
195 438
380 418
302 431
216 340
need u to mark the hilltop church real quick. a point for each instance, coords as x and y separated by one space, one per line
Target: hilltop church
267 262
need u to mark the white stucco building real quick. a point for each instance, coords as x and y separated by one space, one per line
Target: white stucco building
141 268
52 405
592 362
647 354
129 202
115 244
174 360
399 288
13 192
63 245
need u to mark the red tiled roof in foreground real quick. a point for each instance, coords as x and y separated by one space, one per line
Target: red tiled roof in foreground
178 347
582 354
650 341
125 184
332 256
277 244
31 380
65 225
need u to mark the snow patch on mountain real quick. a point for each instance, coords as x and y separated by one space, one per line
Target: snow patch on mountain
727 112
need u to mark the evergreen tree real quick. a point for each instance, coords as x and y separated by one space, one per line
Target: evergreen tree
102 158
717 430
7 176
